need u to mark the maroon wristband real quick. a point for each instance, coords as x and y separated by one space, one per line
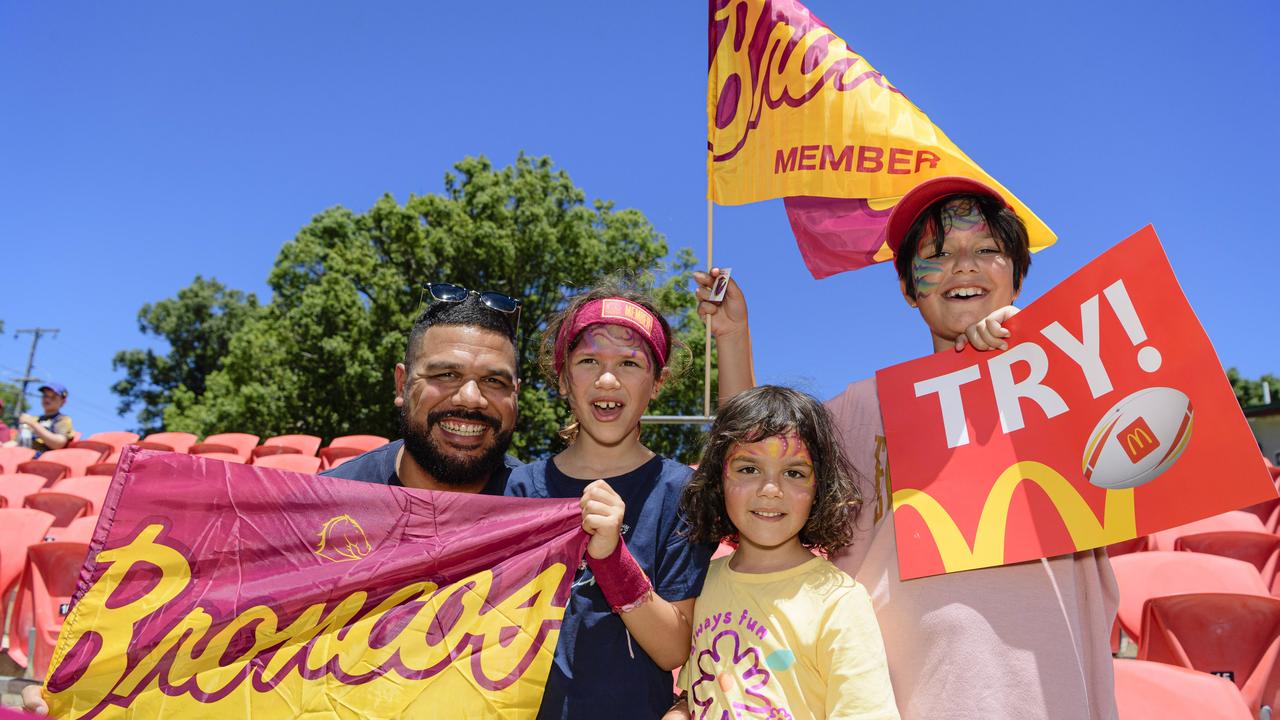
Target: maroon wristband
620 578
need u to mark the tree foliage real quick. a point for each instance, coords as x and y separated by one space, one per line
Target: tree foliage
1249 392
319 357
197 325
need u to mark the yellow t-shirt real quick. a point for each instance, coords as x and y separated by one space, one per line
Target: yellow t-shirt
790 645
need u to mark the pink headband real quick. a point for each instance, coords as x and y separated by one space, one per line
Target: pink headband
613 311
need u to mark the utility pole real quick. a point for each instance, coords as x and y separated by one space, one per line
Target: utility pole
31 361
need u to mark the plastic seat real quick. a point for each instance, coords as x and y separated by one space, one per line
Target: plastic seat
206 448
264 450
224 457
1268 511
144 445
93 489
177 441
19 528
292 461
1124 547
244 443
332 457
103 468
15 487
305 444
364 443
1156 573
63 507
77 459
80 530
1234 520
50 471
1233 636
1262 550
11 457
52 572
1156 691
103 449
117 439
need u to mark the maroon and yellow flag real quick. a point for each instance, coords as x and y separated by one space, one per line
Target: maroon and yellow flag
793 112
216 590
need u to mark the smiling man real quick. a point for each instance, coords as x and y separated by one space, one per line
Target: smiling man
456 391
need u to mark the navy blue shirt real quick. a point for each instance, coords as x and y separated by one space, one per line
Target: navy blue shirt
599 670
379 466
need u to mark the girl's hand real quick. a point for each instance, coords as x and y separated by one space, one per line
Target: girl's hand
730 313
33 701
679 711
988 333
602 510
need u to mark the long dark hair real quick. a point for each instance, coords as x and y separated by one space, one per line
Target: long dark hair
763 412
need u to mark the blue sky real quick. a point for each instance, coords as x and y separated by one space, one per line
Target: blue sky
143 144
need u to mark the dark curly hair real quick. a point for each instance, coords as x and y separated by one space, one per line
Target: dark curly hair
763 412
1006 227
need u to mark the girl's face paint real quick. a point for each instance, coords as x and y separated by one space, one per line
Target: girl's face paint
963 282
768 491
608 380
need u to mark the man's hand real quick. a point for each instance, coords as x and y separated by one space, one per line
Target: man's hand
988 333
602 510
33 700
730 314
30 421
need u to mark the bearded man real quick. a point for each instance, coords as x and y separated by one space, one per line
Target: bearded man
456 391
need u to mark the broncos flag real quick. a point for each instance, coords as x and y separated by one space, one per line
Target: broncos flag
216 590
793 112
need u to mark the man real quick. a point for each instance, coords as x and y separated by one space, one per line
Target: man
1030 640
456 391
52 430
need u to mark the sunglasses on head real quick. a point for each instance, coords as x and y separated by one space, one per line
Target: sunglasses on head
448 292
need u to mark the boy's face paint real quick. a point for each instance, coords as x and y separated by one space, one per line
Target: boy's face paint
768 490
966 280
608 380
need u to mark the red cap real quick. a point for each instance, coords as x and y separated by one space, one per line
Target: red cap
924 195
612 311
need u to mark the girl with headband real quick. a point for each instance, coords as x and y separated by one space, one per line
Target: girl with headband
626 625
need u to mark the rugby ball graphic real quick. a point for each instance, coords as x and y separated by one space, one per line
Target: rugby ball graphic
1137 439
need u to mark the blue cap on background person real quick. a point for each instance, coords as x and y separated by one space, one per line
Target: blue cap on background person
58 388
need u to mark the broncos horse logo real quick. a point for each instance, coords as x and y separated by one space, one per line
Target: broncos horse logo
342 539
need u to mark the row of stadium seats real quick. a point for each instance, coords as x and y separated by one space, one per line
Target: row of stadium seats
1201 603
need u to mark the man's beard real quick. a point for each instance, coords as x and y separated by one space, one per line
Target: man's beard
447 468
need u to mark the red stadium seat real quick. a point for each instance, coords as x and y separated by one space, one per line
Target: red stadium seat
206 448
1124 547
244 443
50 471
104 450
1232 636
78 459
116 439
15 488
291 461
52 572
1268 511
19 529
305 444
264 450
80 530
93 489
332 457
177 441
1156 691
11 457
144 445
1235 520
224 457
63 507
1145 575
1262 550
103 468
364 443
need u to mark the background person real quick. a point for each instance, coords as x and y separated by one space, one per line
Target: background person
52 430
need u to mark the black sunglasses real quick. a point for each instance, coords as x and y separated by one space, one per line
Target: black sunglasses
505 304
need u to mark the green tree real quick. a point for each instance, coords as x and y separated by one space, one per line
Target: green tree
1249 392
198 326
319 357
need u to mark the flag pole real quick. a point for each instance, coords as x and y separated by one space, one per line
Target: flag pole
706 360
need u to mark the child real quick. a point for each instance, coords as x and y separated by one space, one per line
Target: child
626 626
777 631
